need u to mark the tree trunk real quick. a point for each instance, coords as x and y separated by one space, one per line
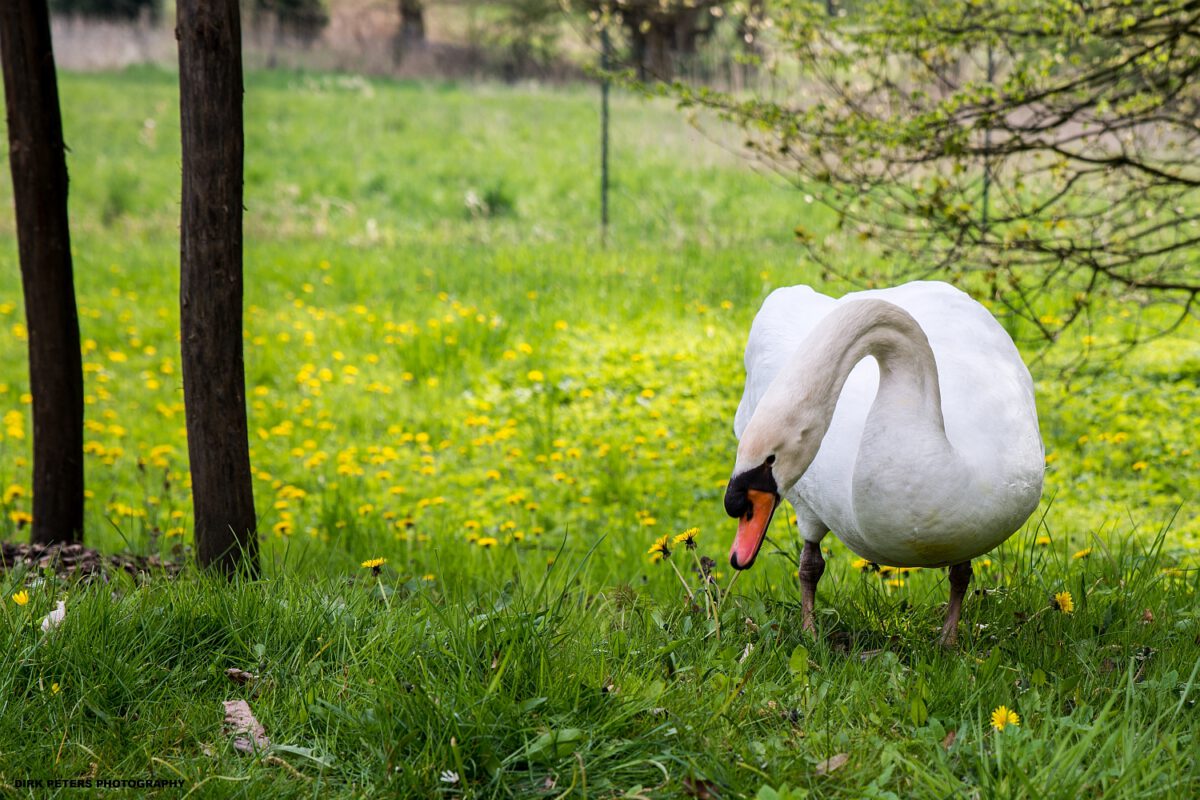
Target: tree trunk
210 286
412 21
39 172
411 33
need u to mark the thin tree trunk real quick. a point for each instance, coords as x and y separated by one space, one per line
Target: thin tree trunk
412 21
411 33
210 287
39 172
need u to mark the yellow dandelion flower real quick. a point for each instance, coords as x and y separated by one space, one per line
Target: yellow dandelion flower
1002 717
1042 540
1138 466
687 538
660 549
487 541
374 563
1084 553
21 597
1064 602
862 564
535 376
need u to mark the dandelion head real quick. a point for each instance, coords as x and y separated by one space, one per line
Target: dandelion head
21 597
1064 602
660 549
687 538
1084 553
1002 717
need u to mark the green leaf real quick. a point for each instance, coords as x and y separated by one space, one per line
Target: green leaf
798 664
556 744
918 712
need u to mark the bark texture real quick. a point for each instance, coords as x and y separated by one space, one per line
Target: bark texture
37 159
210 287
412 21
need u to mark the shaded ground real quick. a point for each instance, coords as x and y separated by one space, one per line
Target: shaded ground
77 561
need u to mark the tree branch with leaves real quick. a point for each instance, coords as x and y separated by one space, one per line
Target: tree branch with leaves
1042 154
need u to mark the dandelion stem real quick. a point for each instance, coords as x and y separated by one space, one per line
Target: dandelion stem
686 588
728 588
711 601
386 602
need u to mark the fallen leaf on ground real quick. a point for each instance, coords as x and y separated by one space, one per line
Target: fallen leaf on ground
55 617
239 719
700 788
240 676
832 763
948 742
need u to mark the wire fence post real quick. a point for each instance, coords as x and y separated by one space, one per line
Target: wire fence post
987 152
605 53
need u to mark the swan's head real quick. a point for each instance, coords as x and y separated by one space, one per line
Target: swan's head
775 451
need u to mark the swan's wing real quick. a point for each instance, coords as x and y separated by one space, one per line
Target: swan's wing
785 319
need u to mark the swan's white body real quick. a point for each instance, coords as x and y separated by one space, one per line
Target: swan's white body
918 470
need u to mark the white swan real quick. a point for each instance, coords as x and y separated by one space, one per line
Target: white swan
901 419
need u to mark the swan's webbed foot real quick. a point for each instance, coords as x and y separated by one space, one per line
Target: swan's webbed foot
812 566
960 579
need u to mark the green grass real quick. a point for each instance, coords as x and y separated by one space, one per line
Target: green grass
447 370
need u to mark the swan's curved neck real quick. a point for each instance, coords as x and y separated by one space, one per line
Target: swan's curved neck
802 398
908 377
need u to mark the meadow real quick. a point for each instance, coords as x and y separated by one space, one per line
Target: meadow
447 369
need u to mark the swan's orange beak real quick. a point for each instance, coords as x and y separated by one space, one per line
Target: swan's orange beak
752 528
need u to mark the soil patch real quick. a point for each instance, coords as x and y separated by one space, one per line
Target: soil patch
77 561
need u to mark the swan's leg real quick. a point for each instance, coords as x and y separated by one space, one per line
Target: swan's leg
960 579
812 566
